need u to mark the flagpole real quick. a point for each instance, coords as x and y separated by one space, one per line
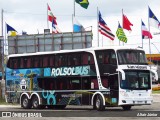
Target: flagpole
74 8
2 45
73 22
122 23
102 40
149 37
73 15
47 17
141 34
97 26
119 40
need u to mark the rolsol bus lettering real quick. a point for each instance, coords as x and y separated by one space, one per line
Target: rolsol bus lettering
64 71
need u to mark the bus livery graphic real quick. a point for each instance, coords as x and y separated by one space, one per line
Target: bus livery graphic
99 77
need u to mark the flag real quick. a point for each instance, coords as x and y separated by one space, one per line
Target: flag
120 34
11 30
83 3
51 17
24 32
126 23
55 29
145 33
77 27
153 21
103 28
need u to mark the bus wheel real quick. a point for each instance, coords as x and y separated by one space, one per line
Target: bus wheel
25 102
98 103
126 107
35 102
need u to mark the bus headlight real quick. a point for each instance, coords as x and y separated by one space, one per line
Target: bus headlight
123 93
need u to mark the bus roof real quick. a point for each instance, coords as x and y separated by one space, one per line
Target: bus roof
74 50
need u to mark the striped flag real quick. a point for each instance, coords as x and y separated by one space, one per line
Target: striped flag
145 32
120 34
51 17
104 29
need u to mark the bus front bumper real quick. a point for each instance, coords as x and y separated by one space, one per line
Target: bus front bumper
136 101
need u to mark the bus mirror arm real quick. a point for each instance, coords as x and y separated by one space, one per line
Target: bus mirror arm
123 74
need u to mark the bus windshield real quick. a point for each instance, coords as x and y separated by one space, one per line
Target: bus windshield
136 80
131 57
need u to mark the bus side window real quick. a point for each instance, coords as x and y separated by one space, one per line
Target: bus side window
94 84
113 58
14 63
51 61
90 59
105 82
28 62
76 84
86 84
45 60
22 63
36 62
85 58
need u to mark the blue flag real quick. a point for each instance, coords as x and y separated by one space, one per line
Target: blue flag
9 28
154 22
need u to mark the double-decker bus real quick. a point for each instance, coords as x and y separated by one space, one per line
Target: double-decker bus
100 77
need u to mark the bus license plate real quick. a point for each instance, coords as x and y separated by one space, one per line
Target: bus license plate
139 102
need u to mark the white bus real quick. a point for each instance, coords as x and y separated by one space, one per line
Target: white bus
100 77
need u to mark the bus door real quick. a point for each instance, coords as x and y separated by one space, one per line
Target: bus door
113 85
86 95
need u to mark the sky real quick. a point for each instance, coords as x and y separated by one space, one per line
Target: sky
31 16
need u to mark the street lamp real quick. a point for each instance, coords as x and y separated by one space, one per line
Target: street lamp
155 47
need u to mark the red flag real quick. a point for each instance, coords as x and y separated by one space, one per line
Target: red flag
126 23
51 17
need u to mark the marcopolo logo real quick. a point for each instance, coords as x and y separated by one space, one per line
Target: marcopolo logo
64 71
137 67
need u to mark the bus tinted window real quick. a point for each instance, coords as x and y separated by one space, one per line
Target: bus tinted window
51 61
106 57
61 60
13 63
45 60
74 59
36 61
28 62
87 58
131 57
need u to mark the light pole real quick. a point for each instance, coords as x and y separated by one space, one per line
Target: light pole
155 47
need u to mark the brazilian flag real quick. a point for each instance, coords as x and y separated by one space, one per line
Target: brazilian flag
83 3
120 34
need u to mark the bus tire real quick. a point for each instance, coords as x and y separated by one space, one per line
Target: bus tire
35 102
126 107
98 103
25 102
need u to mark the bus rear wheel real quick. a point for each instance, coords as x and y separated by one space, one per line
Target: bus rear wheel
98 103
35 102
25 102
126 107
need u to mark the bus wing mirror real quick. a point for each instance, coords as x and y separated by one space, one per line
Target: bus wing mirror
122 72
156 74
